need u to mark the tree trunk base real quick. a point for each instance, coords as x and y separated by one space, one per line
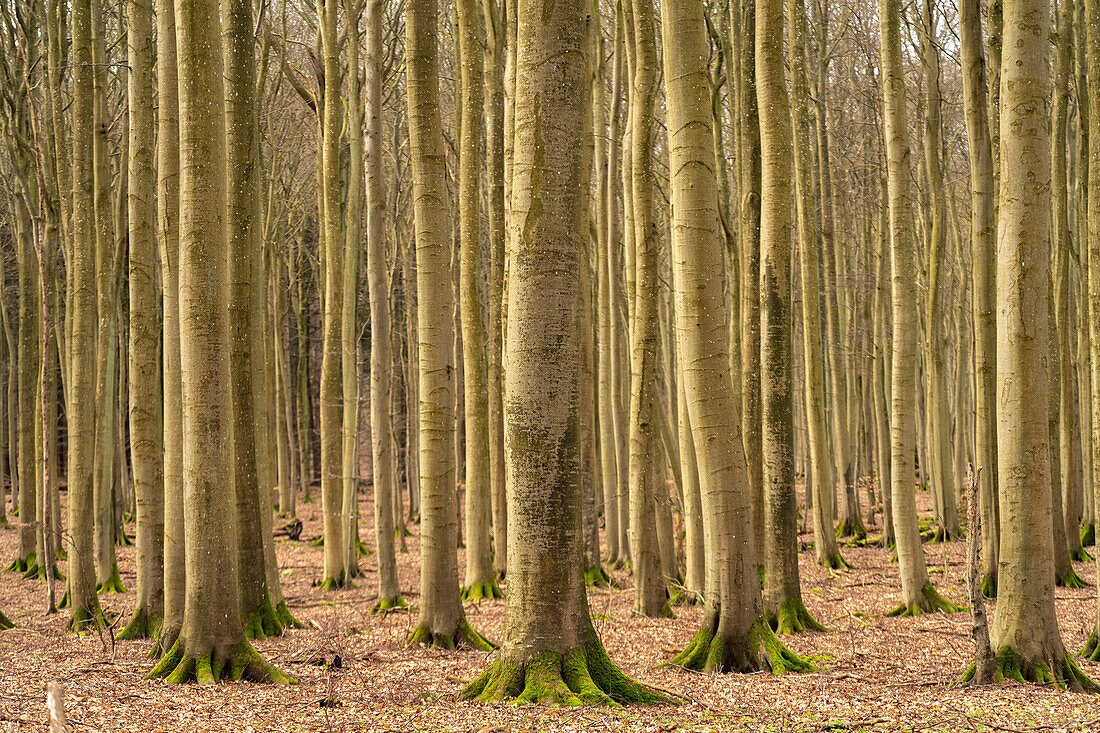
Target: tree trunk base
682 596
239 662
481 591
5 622
143 625
1081 555
123 539
263 622
760 650
834 562
112 584
385 605
583 676
852 527
793 618
1091 652
597 577
928 601
1088 535
1070 579
87 618
20 564
319 541
286 617
1061 672
463 636
37 572
340 583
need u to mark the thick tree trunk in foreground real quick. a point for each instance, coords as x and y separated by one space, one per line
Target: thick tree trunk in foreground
550 649
1025 637
442 621
211 644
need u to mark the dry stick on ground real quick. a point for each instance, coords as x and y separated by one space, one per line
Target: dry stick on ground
983 653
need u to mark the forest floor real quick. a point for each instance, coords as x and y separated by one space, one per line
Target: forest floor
875 673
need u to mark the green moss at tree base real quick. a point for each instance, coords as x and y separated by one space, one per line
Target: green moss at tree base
362 548
112 584
342 582
123 539
834 562
1088 535
84 619
143 625
681 596
1091 652
597 577
759 650
286 618
5 622
20 564
793 618
929 601
1070 580
1062 672
464 635
384 605
482 591
989 586
582 676
263 622
37 572
852 527
318 542
1081 555
239 662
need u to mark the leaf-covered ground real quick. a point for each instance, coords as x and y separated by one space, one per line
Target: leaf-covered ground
875 673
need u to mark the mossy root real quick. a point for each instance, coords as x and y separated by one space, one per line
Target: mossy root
852 527
239 662
1061 672
84 619
263 622
5 622
385 605
929 601
597 577
759 650
1091 652
142 625
1081 555
286 617
834 562
793 618
340 583
481 591
112 584
20 564
464 636
1071 580
1088 535
989 586
582 676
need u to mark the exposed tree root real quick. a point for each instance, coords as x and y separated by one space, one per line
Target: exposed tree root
123 539
582 676
263 622
362 548
1088 535
481 591
793 618
143 625
239 662
463 636
286 618
37 572
384 605
852 527
1091 651
319 542
929 601
166 639
1062 673
761 650
340 583
1071 580
835 562
20 564
597 577
112 584
5 622
1081 555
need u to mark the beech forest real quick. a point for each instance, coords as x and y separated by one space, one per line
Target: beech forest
550 366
